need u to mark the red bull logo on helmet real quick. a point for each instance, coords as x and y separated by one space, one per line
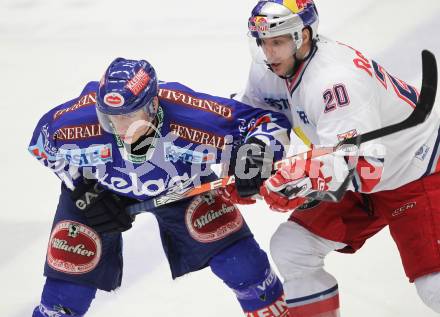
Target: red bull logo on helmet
296 6
258 24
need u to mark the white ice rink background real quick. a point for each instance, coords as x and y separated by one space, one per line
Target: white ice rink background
50 48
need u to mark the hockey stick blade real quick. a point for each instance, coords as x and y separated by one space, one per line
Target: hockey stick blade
422 110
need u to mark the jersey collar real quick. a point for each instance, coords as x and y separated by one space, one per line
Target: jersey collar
293 82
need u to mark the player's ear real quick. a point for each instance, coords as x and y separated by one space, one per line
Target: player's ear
306 35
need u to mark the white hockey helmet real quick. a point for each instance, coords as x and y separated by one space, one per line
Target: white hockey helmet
270 18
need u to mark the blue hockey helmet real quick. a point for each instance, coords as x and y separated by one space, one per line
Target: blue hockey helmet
127 87
271 18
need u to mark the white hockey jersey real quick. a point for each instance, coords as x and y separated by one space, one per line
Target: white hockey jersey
337 93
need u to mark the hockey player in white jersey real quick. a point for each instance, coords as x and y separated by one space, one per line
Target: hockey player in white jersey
331 91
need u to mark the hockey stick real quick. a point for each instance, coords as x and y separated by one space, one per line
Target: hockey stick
420 113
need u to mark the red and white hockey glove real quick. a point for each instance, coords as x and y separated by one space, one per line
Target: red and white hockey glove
288 188
230 193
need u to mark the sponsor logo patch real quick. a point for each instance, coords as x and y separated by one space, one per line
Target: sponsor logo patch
347 135
114 99
175 153
43 149
78 132
83 101
197 136
209 218
138 82
258 24
73 248
90 156
185 99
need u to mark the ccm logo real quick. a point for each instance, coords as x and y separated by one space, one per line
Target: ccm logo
402 209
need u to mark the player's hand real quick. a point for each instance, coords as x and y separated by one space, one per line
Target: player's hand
229 193
252 167
103 209
289 187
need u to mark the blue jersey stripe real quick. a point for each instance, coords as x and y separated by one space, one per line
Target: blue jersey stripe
331 290
433 155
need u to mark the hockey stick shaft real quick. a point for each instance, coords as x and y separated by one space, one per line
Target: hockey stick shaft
168 198
422 110
420 113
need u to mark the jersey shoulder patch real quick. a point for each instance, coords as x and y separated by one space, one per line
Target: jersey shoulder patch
72 123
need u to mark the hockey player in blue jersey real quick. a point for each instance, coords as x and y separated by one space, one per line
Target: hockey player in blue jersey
129 138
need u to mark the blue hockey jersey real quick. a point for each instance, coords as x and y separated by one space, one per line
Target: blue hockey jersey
194 130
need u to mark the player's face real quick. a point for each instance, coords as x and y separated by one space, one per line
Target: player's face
279 52
130 127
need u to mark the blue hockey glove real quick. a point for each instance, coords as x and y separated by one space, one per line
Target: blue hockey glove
103 209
